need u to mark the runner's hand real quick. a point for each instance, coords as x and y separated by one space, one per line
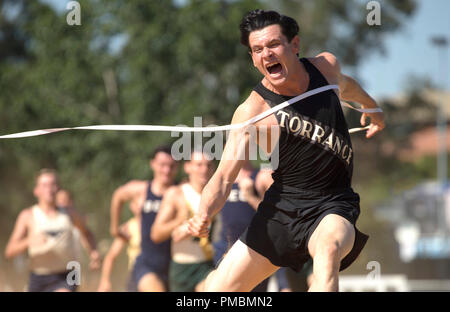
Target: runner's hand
181 232
198 225
120 233
94 263
376 123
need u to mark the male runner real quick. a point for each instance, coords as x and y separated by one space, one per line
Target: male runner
191 257
311 209
46 231
150 270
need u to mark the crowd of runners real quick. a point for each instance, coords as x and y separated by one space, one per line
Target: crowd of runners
162 255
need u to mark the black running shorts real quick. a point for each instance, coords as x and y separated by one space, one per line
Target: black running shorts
287 217
49 282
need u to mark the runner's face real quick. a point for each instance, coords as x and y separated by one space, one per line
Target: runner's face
63 199
272 54
46 188
164 168
199 169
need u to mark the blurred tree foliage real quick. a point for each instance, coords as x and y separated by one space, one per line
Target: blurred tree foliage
138 62
340 26
380 174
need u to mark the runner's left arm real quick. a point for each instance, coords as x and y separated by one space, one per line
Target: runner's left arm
88 236
218 189
351 90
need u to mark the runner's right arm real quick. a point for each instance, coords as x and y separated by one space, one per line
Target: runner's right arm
19 240
123 194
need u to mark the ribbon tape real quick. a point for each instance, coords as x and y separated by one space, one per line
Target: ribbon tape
195 129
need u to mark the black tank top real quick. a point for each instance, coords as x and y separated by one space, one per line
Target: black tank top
156 253
315 151
236 213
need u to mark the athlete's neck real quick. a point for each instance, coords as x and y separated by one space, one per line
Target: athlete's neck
198 187
296 83
159 187
46 207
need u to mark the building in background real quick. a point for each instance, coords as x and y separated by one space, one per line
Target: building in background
421 221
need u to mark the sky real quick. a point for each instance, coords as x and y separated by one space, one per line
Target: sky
409 51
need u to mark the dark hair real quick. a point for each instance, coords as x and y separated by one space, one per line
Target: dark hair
161 149
258 19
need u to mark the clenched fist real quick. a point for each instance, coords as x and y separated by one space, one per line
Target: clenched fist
198 225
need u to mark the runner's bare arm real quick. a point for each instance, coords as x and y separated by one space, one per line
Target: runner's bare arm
169 215
108 263
219 186
18 242
247 187
350 90
263 181
121 195
80 224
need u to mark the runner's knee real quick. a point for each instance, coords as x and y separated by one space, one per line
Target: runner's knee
151 282
209 280
327 259
330 251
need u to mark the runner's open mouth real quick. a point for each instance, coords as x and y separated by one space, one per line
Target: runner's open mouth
274 68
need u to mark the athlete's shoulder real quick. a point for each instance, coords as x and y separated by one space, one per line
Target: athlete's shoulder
173 191
265 174
173 198
134 186
328 57
327 63
251 107
136 183
25 215
27 212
